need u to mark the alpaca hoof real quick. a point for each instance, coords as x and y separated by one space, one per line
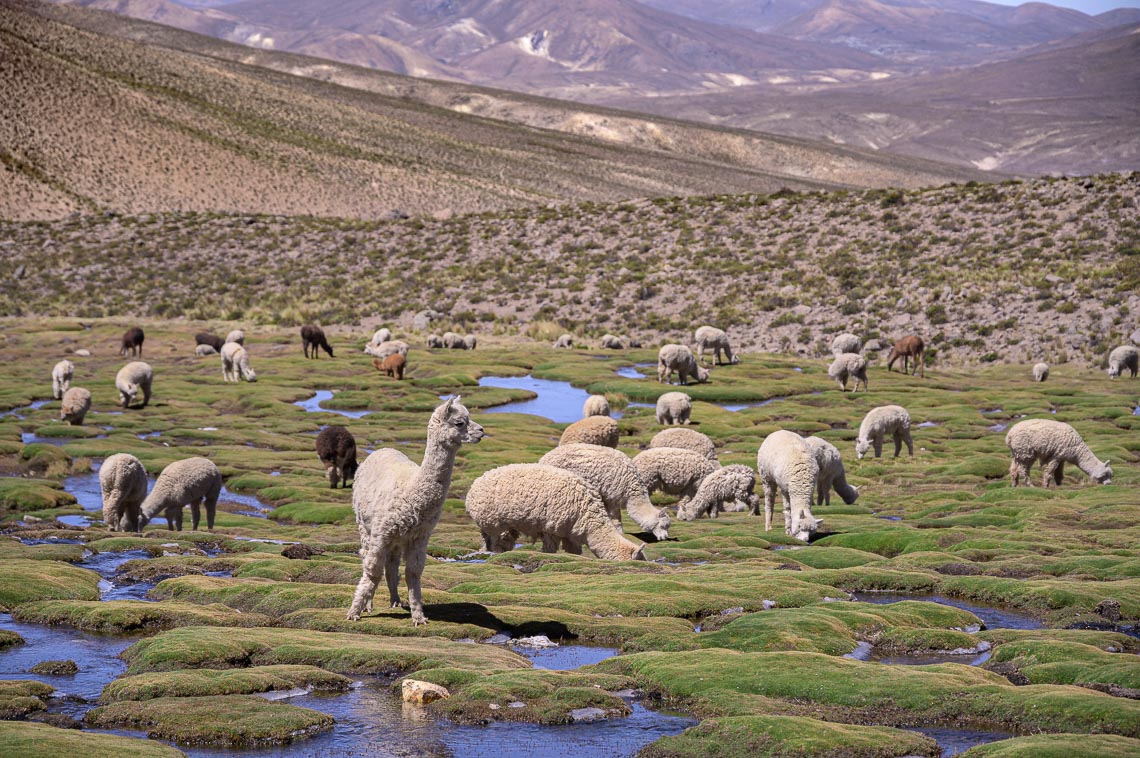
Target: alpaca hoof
395 604
353 616
420 621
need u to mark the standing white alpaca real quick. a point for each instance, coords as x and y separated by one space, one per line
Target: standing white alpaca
61 375
397 505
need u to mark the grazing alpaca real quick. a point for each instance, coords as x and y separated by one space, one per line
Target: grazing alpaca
61 375
392 366
1054 443
397 505
336 447
213 340
192 481
313 337
132 342
908 348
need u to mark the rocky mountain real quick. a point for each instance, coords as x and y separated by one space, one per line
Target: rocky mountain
106 113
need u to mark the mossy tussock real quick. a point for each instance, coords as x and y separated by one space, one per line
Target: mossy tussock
42 741
207 682
1058 746
1056 662
248 720
23 581
548 696
788 737
132 616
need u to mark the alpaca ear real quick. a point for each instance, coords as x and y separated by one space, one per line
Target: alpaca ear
447 405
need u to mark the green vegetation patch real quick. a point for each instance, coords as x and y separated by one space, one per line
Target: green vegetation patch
30 495
229 720
18 698
1055 662
8 639
548 696
30 740
893 694
208 647
205 682
788 737
127 616
23 581
1058 746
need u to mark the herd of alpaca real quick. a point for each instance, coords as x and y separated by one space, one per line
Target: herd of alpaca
573 495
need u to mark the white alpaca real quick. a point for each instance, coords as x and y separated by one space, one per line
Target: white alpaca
732 484
831 473
235 364
877 424
679 359
122 482
547 503
132 378
397 505
688 439
61 375
674 408
674 471
76 403
593 430
1123 357
711 338
595 405
192 481
617 480
786 463
849 365
1040 372
1054 444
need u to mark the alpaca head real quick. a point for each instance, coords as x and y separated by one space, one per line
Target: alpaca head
660 528
129 393
248 373
451 423
1114 371
849 495
806 526
861 447
1102 474
703 374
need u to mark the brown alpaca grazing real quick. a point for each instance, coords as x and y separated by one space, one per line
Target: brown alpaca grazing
336 447
313 338
213 340
393 365
132 342
909 347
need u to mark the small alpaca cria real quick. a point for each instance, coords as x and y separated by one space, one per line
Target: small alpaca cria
380 336
735 483
132 378
711 338
674 408
122 483
546 503
61 375
879 422
392 366
76 403
831 473
336 447
688 439
1054 443
397 505
192 481
593 430
786 463
313 340
595 405
212 341
1123 357
617 480
235 364
1040 372
679 359
849 366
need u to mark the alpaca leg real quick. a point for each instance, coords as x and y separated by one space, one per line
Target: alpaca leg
787 512
392 575
769 504
211 502
195 514
909 442
549 543
897 436
878 444
1050 471
1059 474
1014 472
414 559
372 568
572 547
146 394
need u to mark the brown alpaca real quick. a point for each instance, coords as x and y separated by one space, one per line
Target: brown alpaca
132 342
393 365
313 337
336 447
907 348
213 340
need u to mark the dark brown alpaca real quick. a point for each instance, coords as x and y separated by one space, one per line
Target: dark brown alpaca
336 448
393 365
313 337
213 340
132 342
909 347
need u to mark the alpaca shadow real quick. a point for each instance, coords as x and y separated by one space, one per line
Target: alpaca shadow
650 538
478 615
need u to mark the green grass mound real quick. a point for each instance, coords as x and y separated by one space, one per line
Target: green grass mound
205 682
230 720
1053 662
209 647
29 740
128 616
9 638
30 495
788 737
18 698
13 550
834 628
893 694
23 581
1058 746
548 697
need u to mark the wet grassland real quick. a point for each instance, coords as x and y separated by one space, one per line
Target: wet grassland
1005 615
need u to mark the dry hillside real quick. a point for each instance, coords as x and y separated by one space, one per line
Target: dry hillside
93 122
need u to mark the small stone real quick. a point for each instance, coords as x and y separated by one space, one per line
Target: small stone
494 706
516 704
732 611
538 641
55 668
1135 337
422 693
872 346
499 639
82 352
768 604
587 714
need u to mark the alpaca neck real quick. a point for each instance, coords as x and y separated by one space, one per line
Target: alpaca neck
1086 461
429 486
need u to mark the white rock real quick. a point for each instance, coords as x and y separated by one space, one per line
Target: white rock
422 693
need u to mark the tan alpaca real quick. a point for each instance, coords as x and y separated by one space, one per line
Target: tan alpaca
397 505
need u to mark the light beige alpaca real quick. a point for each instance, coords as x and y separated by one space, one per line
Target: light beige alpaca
397 505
